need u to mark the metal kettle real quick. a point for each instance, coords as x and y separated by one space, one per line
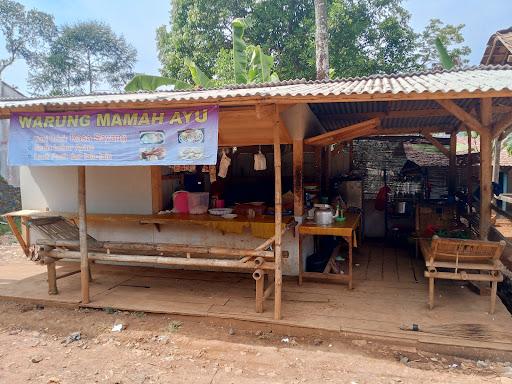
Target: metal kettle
323 214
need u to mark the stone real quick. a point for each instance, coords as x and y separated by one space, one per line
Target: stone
231 331
482 364
317 342
36 359
404 359
359 343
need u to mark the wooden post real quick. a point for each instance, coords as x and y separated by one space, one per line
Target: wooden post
494 292
52 278
156 189
496 162
470 173
298 188
431 292
278 278
452 180
82 218
485 167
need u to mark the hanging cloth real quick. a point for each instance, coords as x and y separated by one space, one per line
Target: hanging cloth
260 161
225 162
382 198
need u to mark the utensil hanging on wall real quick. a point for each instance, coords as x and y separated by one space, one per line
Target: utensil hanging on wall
260 161
225 162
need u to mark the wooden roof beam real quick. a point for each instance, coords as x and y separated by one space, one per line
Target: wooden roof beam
432 112
342 133
465 117
415 130
432 140
502 125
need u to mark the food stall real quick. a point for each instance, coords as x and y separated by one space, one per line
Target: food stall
111 165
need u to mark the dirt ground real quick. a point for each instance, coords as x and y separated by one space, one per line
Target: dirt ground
64 345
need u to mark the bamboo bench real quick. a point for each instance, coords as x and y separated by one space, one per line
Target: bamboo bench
467 260
62 242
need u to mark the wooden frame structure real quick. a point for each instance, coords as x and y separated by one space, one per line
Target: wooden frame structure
465 260
473 110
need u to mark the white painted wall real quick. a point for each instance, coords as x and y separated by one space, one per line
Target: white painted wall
109 189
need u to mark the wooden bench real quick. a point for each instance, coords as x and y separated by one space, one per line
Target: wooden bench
467 260
62 242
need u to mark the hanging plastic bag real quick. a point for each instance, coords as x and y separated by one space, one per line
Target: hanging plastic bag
225 162
260 161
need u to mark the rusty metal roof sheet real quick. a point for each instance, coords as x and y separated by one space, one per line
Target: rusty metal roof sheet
481 79
499 48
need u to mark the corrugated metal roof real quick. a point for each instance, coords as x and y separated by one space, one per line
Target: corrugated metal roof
499 48
474 79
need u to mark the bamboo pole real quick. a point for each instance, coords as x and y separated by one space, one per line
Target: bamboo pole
470 173
278 278
485 168
82 218
52 278
163 260
259 277
452 183
162 248
298 188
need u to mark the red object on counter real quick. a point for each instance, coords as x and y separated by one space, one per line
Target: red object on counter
180 202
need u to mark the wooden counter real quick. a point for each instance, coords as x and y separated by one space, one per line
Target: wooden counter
260 226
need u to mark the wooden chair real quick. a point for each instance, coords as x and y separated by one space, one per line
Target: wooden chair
467 260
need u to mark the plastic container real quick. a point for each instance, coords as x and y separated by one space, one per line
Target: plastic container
198 202
180 201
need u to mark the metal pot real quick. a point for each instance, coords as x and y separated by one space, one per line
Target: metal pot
401 207
323 214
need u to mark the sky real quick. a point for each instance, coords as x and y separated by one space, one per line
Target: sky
137 21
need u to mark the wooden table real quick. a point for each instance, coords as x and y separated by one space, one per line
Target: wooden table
345 230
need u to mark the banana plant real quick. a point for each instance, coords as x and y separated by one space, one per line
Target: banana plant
239 51
444 56
250 65
142 82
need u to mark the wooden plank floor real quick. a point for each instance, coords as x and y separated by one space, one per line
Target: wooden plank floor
389 292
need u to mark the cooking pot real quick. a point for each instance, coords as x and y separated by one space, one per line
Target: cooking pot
323 214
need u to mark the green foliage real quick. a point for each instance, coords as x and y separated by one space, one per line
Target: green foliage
444 57
366 37
371 36
84 56
248 64
239 51
26 32
141 82
198 30
286 30
198 76
450 36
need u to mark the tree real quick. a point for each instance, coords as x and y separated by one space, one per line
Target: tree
198 30
450 36
84 56
321 40
26 32
371 36
285 29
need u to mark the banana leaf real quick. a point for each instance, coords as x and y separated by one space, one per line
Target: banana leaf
199 77
260 66
446 60
239 51
143 82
